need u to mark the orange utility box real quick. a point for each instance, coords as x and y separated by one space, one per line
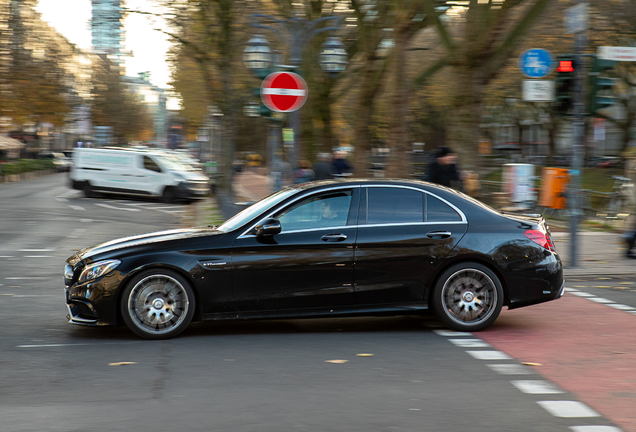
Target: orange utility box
554 185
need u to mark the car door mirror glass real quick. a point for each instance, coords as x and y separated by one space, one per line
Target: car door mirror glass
269 226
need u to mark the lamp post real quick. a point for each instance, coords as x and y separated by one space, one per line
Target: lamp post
295 33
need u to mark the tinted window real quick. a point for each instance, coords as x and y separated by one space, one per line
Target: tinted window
439 211
151 165
392 205
320 211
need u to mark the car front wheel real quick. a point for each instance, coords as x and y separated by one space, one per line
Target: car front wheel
157 304
467 297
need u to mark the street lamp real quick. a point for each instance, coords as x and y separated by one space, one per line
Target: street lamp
333 57
257 56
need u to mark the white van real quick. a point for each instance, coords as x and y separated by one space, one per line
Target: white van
135 172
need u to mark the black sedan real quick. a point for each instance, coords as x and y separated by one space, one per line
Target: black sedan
323 249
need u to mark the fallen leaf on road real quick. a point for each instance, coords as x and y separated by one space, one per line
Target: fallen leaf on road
121 363
364 355
619 352
336 361
531 364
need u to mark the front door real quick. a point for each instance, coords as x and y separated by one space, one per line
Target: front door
308 265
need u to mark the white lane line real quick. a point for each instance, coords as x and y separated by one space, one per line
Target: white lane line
61 199
27 278
571 290
39 256
117 208
76 207
36 250
536 387
451 333
76 233
489 355
582 294
67 193
30 295
86 220
595 428
72 345
601 300
6 256
511 369
166 207
470 343
568 409
621 307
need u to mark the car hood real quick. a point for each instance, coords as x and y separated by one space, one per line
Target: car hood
143 239
193 176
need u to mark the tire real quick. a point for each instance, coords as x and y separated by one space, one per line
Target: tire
88 190
170 194
467 297
157 304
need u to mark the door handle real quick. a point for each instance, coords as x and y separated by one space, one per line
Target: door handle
334 237
441 234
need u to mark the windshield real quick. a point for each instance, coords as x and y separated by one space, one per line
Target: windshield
170 164
254 210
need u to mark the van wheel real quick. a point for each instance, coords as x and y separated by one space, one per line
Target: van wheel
88 190
170 194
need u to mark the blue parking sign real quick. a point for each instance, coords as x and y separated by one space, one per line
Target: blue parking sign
536 63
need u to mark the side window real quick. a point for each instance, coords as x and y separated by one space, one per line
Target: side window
439 211
151 165
392 205
321 211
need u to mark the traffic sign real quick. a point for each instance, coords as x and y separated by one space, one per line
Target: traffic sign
536 63
538 90
616 53
284 91
576 18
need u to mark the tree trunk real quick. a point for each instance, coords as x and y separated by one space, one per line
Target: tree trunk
399 164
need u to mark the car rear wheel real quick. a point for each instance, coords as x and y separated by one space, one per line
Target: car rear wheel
467 297
157 304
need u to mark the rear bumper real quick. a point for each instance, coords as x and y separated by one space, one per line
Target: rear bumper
535 281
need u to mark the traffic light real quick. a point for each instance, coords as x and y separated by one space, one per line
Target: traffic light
601 84
564 97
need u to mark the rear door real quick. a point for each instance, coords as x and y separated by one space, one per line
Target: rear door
404 233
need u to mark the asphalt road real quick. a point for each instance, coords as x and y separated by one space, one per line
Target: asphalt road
362 374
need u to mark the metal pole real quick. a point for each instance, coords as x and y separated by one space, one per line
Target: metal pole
578 146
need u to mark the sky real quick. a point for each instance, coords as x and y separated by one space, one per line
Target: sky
149 47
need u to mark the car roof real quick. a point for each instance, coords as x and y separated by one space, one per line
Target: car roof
370 181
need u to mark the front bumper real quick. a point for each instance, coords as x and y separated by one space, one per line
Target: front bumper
194 190
93 303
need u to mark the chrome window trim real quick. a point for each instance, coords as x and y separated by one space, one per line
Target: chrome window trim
461 213
260 218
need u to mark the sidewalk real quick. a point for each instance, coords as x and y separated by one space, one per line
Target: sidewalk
599 253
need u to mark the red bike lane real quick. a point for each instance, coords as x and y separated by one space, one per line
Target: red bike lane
588 349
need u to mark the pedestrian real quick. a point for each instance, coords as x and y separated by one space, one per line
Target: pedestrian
322 168
443 170
340 166
630 237
304 173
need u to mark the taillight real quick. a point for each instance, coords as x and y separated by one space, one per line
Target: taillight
541 238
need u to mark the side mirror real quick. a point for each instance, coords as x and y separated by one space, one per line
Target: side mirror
266 227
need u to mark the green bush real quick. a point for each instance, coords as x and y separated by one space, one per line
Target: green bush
25 165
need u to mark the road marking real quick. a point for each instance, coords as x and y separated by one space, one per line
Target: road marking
595 429
451 333
568 409
511 369
61 199
489 355
39 256
67 193
27 278
582 294
572 289
536 387
621 307
6 256
76 207
600 300
117 208
72 345
36 250
470 343
86 220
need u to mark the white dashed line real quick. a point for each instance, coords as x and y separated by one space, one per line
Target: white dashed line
595 429
451 333
621 307
470 343
511 369
536 387
571 290
489 355
582 294
600 300
28 278
76 207
568 409
117 208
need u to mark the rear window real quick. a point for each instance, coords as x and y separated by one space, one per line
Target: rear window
439 211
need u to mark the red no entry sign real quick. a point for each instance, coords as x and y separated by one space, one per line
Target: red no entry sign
284 91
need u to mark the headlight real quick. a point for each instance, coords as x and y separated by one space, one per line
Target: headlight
98 269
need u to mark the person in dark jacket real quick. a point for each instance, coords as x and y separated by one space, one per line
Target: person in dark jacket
443 170
322 168
339 164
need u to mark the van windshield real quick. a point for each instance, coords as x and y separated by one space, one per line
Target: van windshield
170 164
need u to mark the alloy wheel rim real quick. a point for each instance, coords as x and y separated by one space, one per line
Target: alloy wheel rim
469 297
158 304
